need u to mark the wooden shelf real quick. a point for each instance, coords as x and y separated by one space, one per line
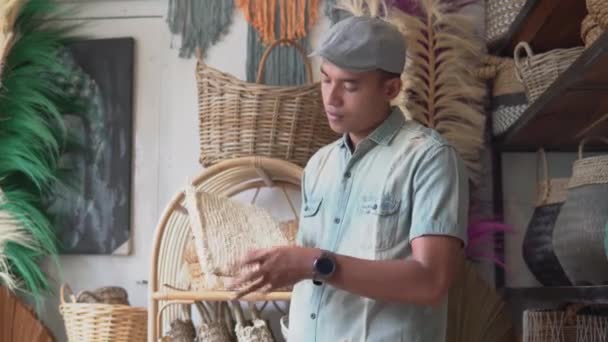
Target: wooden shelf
218 296
546 25
559 295
574 106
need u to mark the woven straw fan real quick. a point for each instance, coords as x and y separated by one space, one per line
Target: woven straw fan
225 231
18 323
441 90
476 313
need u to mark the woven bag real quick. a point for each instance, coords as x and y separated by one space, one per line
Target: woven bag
538 71
598 9
500 15
96 322
573 323
537 246
256 330
509 99
590 31
225 231
214 326
238 119
579 233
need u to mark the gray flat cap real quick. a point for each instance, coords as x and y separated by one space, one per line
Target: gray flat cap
363 43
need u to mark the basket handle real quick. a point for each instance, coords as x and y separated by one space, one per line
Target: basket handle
288 42
66 289
520 59
585 140
544 166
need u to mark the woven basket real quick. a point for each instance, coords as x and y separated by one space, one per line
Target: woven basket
257 331
598 9
102 322
537 246
574 323
509 99
538 72
590 31
500 15
579 233
238 119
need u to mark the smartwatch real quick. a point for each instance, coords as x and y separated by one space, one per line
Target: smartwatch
323 267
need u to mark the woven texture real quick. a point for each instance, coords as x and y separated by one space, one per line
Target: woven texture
227 178
598 9
237 118
500 14
225 231
213 332
103 322
539 71
537 248
575 323
505 116
590 30
578 237
257 332
589 170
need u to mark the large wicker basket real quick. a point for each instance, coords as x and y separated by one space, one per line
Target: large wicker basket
238 119
538 71
94 322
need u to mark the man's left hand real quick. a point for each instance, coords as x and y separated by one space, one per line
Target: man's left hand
277 267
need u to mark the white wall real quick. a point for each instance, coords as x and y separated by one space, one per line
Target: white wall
165 135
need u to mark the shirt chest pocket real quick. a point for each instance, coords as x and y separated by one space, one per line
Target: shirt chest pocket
310 222
379 221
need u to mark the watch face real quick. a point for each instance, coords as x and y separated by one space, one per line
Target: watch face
325 266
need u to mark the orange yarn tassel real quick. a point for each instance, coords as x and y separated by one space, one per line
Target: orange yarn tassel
261 15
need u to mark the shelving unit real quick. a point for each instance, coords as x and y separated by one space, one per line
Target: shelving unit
546 25
574 106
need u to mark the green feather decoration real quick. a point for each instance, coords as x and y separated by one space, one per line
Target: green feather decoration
32 139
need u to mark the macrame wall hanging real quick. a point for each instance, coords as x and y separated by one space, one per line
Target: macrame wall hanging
270 20
200 23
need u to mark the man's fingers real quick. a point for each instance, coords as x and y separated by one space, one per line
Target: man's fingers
256 285
255 256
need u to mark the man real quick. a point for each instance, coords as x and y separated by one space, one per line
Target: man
384 213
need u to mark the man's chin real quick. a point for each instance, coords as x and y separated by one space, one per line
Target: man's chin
337 128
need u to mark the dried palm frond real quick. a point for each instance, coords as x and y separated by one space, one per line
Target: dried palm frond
440 88
476 312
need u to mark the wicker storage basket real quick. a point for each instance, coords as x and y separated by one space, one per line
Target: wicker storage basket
500 14
590 30
85 322
538 71
578 237
574 323
238 119
537 246
509 99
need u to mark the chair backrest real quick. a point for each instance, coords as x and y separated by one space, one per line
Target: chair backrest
227 178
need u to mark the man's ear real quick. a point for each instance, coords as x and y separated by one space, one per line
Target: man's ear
392 87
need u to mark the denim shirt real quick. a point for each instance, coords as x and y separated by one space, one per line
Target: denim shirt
403 181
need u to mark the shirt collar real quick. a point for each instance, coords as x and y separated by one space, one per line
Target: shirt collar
383 134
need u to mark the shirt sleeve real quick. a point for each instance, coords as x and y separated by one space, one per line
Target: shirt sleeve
441 195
